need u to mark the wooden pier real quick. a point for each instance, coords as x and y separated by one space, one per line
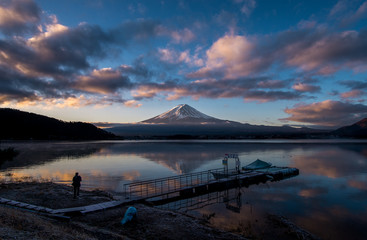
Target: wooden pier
193 184
169 189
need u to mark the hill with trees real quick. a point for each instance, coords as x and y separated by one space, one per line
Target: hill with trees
19 125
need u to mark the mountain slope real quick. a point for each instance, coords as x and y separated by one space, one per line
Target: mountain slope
15 124
357 130
183 114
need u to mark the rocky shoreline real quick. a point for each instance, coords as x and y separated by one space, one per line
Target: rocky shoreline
152 223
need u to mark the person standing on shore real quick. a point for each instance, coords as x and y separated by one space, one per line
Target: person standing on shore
76 184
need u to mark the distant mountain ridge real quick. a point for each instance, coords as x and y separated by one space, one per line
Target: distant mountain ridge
357 130
15 124
184 121
181 122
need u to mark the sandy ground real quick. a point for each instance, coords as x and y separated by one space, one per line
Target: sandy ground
51 195
151 223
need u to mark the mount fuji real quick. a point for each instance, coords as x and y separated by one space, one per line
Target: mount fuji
184 121
184 114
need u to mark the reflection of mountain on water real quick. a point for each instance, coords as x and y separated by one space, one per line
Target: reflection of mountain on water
179 156
188 156
185 157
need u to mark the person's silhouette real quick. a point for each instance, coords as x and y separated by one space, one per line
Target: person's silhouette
76 184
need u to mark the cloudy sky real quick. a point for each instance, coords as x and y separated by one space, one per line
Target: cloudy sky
252 61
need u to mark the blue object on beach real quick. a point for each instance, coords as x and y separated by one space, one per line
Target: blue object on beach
129 215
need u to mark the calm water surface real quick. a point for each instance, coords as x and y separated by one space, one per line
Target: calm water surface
328 198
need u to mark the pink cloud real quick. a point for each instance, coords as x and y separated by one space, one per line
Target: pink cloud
183 36
324 52
352 94
233 56
145 92
327 113
132 103
303 87
172 56
309 49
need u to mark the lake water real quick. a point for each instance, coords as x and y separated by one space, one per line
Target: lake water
328 198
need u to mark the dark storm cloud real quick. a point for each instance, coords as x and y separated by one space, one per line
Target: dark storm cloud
355 85
262 89
57 63
69 51
267 96
19 16
139 69
12 88
103 81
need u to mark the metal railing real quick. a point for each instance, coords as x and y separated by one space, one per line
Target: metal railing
167 185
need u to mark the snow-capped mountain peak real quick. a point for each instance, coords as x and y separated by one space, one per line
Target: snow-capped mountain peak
182 113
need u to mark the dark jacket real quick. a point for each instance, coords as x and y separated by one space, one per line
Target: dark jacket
76 181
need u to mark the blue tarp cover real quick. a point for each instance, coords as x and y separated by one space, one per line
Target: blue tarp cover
258 164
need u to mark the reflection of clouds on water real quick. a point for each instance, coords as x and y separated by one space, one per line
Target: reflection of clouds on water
179 157
331 163
359 183
40 175
329 192
131 175
97 173
335 222
312 192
